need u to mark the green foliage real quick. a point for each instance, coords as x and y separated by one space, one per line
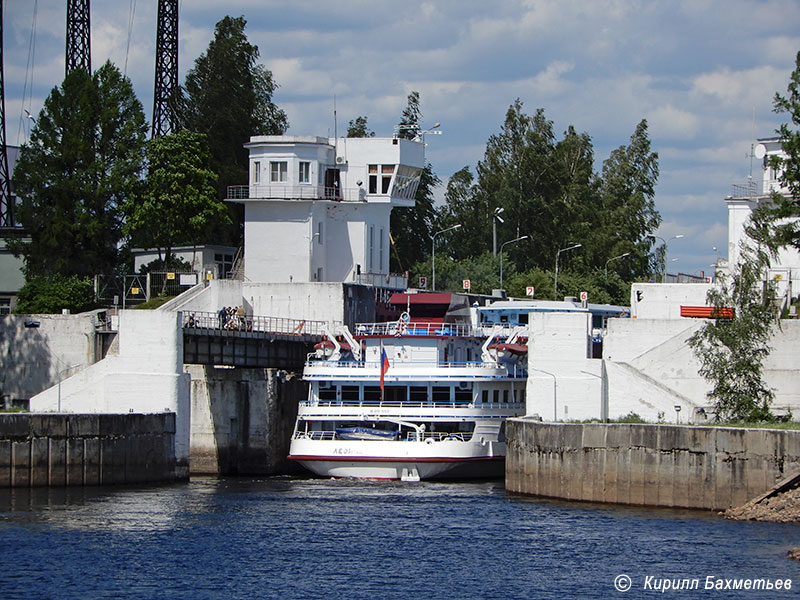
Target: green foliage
549 191
732 350
49 295
178 203
84 156
358 128
153 303
229 98
631 417
412 227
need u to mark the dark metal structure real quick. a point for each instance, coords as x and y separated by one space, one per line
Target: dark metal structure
6 201
79 45
165 119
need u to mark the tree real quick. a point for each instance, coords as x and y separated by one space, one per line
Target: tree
229 98
50 295
628 213
411 227
732 348
178 203
358 128
84 156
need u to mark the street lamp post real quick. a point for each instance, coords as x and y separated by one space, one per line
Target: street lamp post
666 248
495 218
433 254
555 290
615 258
524 237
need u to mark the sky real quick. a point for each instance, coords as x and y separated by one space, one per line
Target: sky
703 73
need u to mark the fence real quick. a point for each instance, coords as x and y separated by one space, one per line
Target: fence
127 291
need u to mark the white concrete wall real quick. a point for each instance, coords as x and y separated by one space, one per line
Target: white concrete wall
563 382
146 377
664 300
34 358
309 301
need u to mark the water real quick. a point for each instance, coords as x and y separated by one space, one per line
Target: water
312 538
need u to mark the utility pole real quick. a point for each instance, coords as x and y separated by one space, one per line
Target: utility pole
165 90
79 42
6 201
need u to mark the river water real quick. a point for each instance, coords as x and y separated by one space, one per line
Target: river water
315 538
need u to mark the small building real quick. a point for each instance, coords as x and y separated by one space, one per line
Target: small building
316 209
218 261
11 267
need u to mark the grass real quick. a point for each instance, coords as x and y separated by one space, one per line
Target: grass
153 303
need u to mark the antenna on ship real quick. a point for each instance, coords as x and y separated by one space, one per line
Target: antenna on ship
335 131
752 145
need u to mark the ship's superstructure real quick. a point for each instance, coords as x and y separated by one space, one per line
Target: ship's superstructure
411 399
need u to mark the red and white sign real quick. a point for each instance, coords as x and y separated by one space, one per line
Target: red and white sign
466 284
529 290
584 296
423 282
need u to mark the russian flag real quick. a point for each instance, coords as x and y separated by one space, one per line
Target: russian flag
384 364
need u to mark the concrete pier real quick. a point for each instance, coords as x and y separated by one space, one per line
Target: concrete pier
656 465
60 450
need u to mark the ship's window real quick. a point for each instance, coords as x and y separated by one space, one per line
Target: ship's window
419 394
394 393
327 394
372 393
463 396
495 395
523 318
505 396
349 393
441 394
256 171
304 175
485 396
279 171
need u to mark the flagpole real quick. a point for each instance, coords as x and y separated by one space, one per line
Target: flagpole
381 367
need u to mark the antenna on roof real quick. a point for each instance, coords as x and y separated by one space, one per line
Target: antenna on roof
335 132
752 145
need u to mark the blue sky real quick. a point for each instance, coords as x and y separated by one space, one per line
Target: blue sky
702 72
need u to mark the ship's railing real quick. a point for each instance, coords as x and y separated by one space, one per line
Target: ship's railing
411 436
479 368
413 404
235 322
413 328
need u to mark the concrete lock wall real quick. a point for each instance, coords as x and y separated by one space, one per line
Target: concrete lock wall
242 420
86 449
658 465
38 350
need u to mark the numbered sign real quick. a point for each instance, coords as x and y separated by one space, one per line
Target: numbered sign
466 284
584 296
423 282
529 291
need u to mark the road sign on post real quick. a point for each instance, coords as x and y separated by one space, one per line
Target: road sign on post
466 284
584 299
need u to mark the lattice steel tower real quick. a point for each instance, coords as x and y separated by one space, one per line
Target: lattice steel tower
165 119
6 202
79 44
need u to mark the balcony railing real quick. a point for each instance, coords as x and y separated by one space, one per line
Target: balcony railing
392 281
295 192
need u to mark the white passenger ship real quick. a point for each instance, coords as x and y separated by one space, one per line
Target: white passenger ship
434 407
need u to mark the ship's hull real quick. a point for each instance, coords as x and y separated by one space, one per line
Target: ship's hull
408 461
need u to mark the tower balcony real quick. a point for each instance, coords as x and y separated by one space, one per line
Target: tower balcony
298 192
